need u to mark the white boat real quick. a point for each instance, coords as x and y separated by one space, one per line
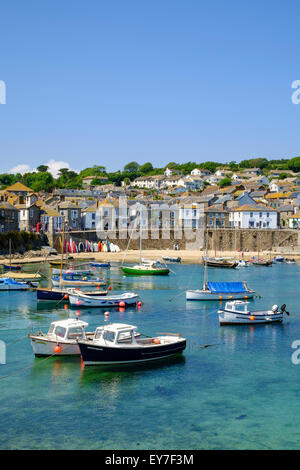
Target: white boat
82 299
243 263
61 339
10 284
237 312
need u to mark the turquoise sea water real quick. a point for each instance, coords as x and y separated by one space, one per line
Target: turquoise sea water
242 392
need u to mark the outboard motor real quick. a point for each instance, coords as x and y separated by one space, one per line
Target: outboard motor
283 310
275 308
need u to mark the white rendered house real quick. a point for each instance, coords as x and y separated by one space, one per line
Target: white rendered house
257 216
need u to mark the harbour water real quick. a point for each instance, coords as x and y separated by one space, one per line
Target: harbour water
240 392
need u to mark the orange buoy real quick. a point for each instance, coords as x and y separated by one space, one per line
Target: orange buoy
57 349
252 317
98 287
156 341
230 296
139 304
122 304
220 297
109 288
66 296
106 314
246 296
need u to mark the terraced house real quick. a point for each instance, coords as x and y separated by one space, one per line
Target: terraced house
8 217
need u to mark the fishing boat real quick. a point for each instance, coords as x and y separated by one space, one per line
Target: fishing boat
221 291
73 280
61 339
237 312
117 343
261 262
100 265
145 267
221 263
84 299
170 259
7 283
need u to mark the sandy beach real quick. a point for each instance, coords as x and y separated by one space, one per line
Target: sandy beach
187 256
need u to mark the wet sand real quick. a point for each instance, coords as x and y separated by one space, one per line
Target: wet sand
187 256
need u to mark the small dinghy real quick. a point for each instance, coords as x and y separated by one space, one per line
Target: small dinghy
243 263
79 272
83 299
290 261
220 263
12 267
119 343
61 339
55 294
237 313
262 262
172 260
278 259
100 265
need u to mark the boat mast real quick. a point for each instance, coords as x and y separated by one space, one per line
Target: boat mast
9 254
62 252
205 262
140 214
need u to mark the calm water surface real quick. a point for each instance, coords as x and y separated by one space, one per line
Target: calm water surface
242 392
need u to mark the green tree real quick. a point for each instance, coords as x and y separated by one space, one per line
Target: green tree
225 182
146 168
132 167
42 168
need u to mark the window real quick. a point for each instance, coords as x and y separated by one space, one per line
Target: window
109 336
60 331
125 336
251 214
75 333
260 214
268 214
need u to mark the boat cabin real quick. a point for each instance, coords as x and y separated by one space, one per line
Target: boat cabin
68 329
237 306
115 333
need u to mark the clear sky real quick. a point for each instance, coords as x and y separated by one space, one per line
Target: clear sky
107 82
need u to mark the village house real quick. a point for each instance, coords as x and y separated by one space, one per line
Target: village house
51 220
71 213
8 217
217 216
254 216
200 172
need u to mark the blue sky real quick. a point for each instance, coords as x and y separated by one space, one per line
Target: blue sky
108 82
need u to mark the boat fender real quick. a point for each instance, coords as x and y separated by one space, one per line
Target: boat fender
57 349
156 341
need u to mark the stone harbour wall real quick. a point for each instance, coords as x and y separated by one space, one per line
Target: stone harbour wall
218 239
